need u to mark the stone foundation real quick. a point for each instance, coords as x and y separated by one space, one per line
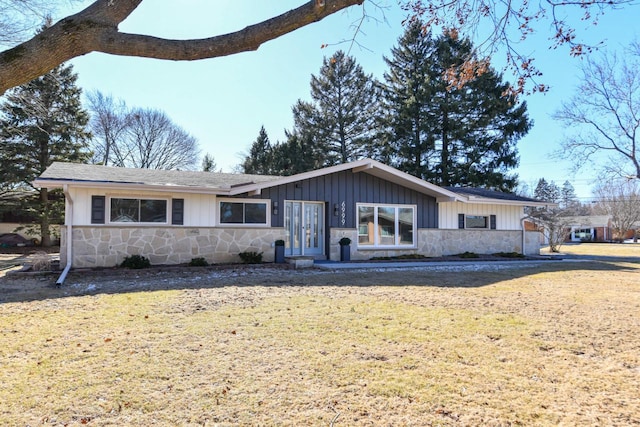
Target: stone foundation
108 246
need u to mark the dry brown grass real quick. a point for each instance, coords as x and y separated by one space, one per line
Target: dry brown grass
547 345
600 249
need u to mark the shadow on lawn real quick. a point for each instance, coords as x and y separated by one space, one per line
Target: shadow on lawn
459 275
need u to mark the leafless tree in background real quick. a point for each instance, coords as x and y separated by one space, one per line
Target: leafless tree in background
604 115
620 200
109 119
152 141
139 137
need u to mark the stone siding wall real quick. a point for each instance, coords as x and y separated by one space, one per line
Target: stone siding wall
451 242
108 246
435 243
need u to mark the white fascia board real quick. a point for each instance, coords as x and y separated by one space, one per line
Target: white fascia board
488 201
46 183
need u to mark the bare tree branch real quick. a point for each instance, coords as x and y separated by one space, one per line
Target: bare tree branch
95 29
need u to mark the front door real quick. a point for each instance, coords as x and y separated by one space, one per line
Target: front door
303 223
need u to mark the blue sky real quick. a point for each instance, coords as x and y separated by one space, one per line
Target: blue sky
224 101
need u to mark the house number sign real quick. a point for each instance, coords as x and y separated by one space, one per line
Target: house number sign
343 215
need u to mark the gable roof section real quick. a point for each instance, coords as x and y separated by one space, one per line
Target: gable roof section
369 166
60 173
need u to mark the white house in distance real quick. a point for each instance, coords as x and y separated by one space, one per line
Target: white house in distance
172 217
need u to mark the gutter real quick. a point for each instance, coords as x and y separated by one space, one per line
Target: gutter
524 234
69 222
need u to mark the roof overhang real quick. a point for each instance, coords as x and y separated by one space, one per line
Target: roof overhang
162 188
486 200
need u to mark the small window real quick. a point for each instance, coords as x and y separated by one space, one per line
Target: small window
477 221
249 213
138 210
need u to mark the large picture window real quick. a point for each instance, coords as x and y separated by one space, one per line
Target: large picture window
138 210
386 226
252 213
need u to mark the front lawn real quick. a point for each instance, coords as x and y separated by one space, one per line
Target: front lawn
545 345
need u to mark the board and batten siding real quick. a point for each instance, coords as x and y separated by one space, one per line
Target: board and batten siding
507 217
350 188
199 209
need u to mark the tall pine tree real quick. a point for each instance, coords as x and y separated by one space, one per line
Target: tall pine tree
342 112
406 102
259 159
41 122
447 134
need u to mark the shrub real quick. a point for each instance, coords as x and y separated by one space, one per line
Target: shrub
345 241
509 254
136 262
468 255
279 242
198 262
249 257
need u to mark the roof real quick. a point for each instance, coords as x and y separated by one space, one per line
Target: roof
479 194
588 220
60 173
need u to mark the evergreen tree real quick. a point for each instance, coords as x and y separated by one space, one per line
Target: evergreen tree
447 134
41 122
568 198
209 163
407 96
259 159
298 154
547 191
342 113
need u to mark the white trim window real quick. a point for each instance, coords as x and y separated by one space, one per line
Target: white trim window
129 210
386 226
244 212
477 222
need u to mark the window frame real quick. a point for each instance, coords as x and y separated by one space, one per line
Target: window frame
487 222
491 221
166 200
396 227
266 202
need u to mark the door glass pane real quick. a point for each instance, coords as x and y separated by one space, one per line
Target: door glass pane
387 225
287 225
296 228
312 225
405 224
365 225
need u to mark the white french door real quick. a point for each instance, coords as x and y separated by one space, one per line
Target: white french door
303 223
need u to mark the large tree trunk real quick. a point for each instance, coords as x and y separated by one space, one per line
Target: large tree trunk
95 29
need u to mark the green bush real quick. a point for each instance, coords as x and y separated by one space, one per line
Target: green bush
136 262
509 255
198 262
468 255
345 241
249 257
